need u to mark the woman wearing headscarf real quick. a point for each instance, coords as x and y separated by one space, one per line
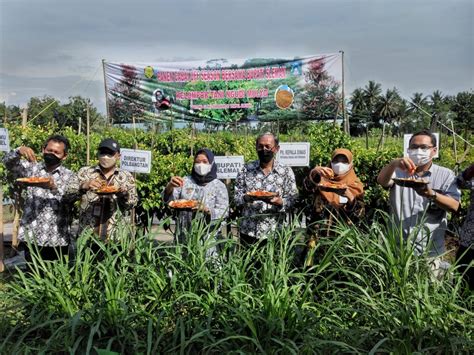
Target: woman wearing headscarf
345 203
201 185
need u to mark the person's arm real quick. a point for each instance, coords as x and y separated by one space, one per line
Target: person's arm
385 175
128 197
176 182
465 179
290 193
13 162
240 188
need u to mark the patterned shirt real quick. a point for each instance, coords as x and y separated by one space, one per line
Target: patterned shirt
101 213
467 231
259 217
46 213
213 195
411 209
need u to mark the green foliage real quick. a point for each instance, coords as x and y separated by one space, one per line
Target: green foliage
367 292
172 153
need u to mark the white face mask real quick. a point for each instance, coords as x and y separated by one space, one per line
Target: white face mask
202 168
107 161
419 157
340 168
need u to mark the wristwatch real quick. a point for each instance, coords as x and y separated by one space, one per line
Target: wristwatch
432 197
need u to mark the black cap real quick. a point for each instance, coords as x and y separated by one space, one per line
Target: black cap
110 144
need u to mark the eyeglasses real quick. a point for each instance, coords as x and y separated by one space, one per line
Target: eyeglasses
423 147
265 147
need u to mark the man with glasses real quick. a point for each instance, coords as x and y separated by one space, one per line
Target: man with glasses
262 217
422 210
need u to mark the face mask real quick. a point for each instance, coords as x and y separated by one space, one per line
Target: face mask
50 159
202 168
265 156
419 157
340 168
107 161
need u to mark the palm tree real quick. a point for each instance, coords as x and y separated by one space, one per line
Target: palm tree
387 108
360 117
372 93
418 104
436 107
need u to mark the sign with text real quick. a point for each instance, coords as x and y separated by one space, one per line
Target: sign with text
294 154
135 161
406 143
229 166
212 90
4 140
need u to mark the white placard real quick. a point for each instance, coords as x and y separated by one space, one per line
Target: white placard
135 161
229 166
294 154
4 140
406 143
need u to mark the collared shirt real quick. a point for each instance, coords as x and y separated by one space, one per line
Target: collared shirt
410 209
101 212
466 237
261 218
46 213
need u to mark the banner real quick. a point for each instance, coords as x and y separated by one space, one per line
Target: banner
222 91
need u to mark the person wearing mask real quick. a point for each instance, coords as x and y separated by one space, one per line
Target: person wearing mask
425 206
347 202
202 185
100 212
46 211
465 253
262 218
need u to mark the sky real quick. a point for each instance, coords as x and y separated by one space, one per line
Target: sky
56 47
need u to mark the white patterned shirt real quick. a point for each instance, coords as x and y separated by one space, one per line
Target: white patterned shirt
261 218
46 213
213 195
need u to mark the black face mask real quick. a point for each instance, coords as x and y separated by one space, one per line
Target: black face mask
50 159
265 156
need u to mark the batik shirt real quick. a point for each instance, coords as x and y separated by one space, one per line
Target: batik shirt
466 237
261 218
46 213
101 213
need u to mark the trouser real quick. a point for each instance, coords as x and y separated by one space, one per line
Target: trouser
464 257
46 253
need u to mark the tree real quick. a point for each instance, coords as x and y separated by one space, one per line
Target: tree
75 112
388 107
10 113
126 100
43 110
463 107
372 93
320 98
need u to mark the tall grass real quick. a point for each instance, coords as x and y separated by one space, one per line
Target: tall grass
366 292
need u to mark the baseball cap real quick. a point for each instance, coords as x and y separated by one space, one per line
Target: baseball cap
110 144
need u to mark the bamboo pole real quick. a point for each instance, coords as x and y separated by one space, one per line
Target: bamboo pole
88 136
344 115
24 117
109 119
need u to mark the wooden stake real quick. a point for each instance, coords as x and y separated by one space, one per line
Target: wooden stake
88 136
24 117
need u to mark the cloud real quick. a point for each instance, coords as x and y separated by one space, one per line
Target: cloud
414 45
